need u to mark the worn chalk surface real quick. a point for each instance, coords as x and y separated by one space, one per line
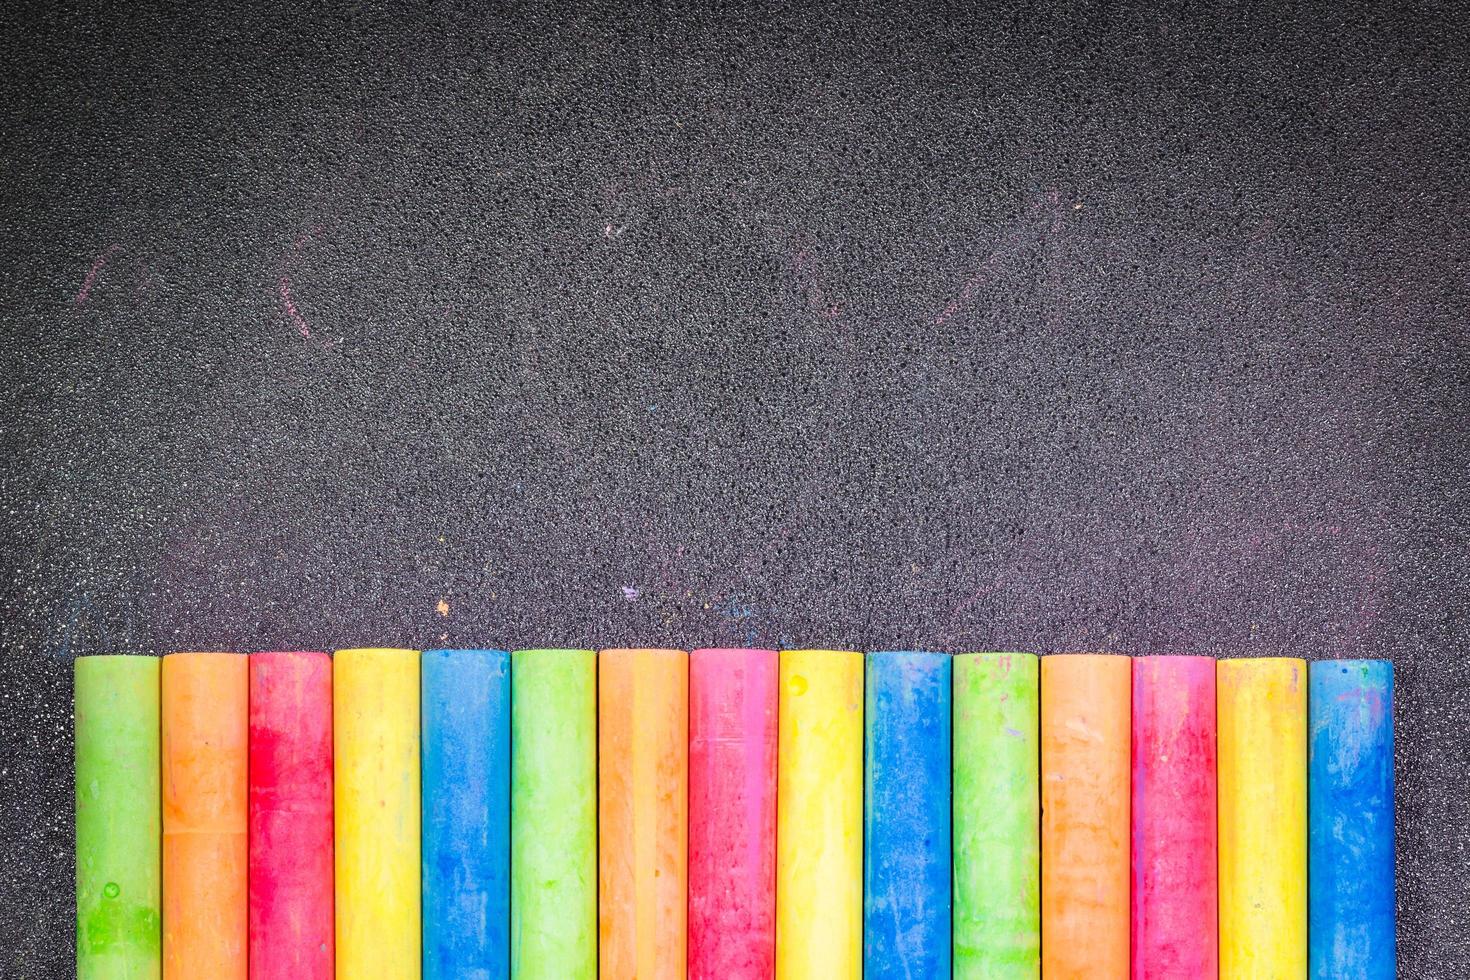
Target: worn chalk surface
204 776
906 815
997 816
901 328
1085 732
819 816
733 711
377 814
292 929
642 813
553 815
1174 890
1261 806
118 885
1350 861
464 714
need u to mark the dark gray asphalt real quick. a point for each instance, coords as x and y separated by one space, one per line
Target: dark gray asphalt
438 325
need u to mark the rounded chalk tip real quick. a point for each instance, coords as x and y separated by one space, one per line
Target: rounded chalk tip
620 653
819 654
476 653
374 653
732 652
1361 670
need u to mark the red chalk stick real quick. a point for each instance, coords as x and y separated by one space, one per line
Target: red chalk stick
291 816
732 814
1174 883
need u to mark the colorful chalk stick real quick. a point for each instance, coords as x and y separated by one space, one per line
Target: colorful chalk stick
553 824
205 712
906 840
1174 885
819 817
1261 725
1085 744
118 821
732 814
465 708
1350 889
642 813
997 817
291 877
375 701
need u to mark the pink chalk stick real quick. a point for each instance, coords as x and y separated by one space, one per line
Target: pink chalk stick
732 814
1174 883
291 901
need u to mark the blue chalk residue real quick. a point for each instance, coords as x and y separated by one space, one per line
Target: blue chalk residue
906 845
465 710
1350 883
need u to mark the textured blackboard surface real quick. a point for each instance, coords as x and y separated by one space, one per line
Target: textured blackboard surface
510 324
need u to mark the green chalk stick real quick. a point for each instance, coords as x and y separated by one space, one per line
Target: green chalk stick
997 817
553 849
119 926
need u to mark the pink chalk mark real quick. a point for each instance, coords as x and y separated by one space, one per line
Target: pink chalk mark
91 278
813 281
967 292
979 594
1044 217
288 303
284 291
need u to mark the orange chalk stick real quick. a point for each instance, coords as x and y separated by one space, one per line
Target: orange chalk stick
1085 757
205 713
642 812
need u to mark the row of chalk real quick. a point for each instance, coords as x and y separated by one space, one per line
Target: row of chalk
730 814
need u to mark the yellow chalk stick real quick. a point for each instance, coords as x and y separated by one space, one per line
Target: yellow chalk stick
375 705
819 817
1261 713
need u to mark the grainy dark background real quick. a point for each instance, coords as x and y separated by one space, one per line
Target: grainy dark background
433 325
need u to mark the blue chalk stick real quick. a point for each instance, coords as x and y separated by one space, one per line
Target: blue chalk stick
465 709
1350 928
906 846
